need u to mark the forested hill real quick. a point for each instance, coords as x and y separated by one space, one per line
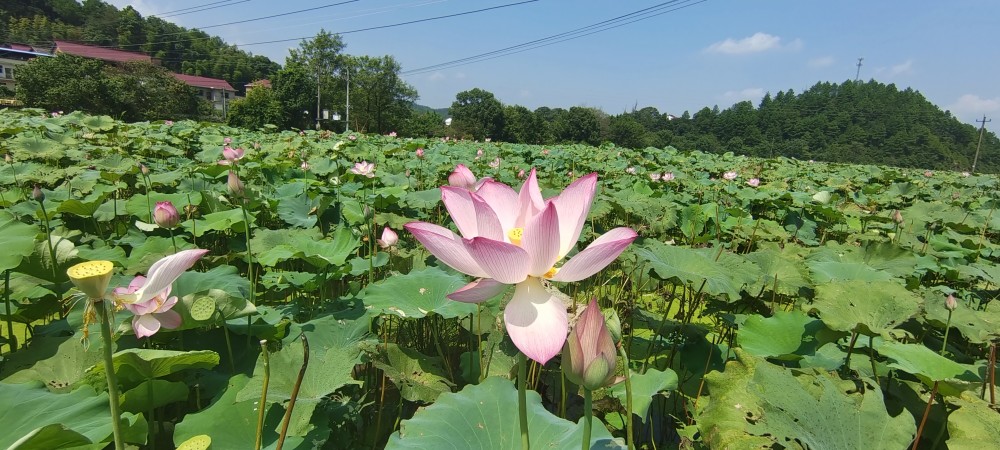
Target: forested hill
192 52
853 122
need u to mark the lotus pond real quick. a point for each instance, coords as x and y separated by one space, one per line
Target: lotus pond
359 291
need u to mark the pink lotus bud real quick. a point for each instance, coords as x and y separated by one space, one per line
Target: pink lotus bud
951 303
304 166
897 216
143 169
462 177
389 238
420 153
8 159
479 153
520 173
37 194
589 355
165 215
235 186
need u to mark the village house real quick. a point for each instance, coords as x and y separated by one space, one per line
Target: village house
11 56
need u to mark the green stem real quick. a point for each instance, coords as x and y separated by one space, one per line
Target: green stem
522 399
152 417
109 371
263 395
628 399
295 393
588 418
172 241
229 348
947 328
48 240
6 300
246 220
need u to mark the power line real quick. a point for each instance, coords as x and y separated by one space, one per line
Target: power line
200 9
604 25
379 27
261 18
172 13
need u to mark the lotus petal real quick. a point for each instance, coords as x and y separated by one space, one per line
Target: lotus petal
502 261
536 321
478 291
597 255
446 246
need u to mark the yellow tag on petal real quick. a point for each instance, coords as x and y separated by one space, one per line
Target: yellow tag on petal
91 277
515 235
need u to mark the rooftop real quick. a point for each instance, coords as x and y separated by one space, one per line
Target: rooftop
204 82
105 54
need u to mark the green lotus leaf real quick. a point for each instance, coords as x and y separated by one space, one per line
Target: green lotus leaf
869 307
920 361
83 411
420 378
153 394
784 334
17 240
973 426
755 404
644 387
485 417
783 271
692 267
137 365
417 294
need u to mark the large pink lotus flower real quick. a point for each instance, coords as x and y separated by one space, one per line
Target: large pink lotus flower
364 168
519 238
231 156
160 276
150 315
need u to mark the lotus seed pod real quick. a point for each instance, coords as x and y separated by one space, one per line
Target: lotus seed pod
91 277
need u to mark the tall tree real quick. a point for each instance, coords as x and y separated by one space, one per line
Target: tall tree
322 57
380 99
478 113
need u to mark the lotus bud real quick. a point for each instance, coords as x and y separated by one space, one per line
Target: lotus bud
143 169
951 303
589 355
462 177
165 215
235 186
304 166
37 194
897 216
389 238
420 153
8 159
91 277
227 140
614 324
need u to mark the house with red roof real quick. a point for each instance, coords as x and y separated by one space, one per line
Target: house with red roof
11 56
217 91
104 54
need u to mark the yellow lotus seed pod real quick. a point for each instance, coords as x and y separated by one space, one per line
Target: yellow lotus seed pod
91 277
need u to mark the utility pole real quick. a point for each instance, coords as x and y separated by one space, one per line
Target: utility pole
347 119
858 73
317 98
982 129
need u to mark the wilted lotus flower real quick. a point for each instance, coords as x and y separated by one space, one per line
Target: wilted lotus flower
364 168
37 193
160 276
654 177
667 176
897 216
495 163
235 186
754 182
519 238
730 175
590 357
231 155
152 314
420 153
631 170
165 215
389 238
951 303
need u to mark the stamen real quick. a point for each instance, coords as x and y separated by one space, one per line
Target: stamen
515 235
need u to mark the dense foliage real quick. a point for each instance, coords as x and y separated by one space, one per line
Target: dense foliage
769 303
94 22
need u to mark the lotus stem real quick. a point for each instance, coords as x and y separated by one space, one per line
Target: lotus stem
947 328
628 398
263 393
6 299
295 393
588 418
109 371
923 420
48 238
246 221
522 399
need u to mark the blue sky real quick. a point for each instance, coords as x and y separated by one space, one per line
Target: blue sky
713 52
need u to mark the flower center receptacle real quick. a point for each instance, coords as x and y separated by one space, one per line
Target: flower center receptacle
515 235
91 277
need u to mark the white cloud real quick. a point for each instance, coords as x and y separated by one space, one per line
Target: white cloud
752 94
435 76
969 106
904 68
759 42
819 63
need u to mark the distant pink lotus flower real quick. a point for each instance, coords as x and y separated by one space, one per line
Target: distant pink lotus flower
388 239
495 163
56 113
352 137
545 151
520 174
667 176
304 166
630 170
420 153
754 182
518 238
479 153
364 168
569 174
392 134
730 175
928 173
489 139
463 178
168 122
231 156
966 174
655 176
